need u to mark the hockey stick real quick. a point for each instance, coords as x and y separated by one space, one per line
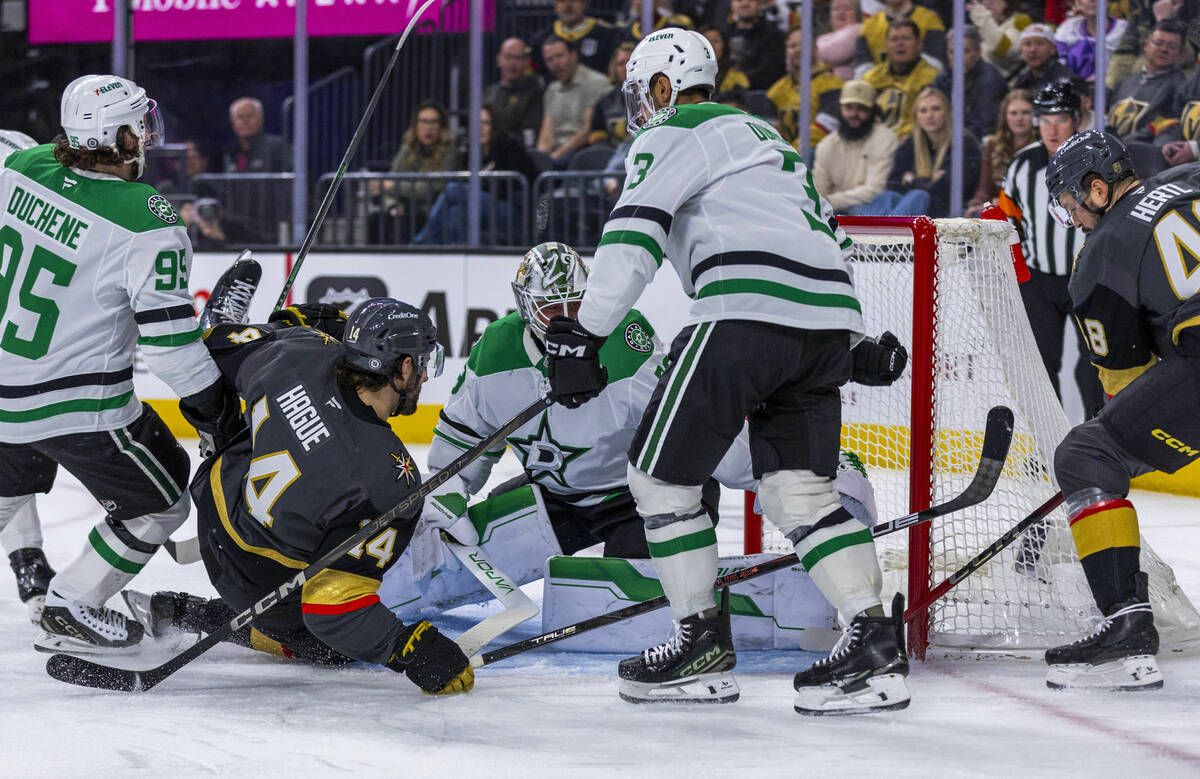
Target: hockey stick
997 438
981 559
518 607
311 236
77 670
184 552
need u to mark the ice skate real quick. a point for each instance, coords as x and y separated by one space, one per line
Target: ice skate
229 302
167 612
80 629
33 574
693 666
864 672
1117 655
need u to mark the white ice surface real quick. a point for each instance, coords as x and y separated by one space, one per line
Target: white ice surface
238 713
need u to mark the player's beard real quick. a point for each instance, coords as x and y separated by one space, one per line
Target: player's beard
409 395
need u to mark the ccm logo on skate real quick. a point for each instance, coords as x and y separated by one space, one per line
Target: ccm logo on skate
702 663
486 567
1174 443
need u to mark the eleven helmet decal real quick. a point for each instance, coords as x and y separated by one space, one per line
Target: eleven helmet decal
94 109
685 57
550 276
383 331
1083 155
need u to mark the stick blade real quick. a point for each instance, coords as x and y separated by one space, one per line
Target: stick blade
84 673
998 434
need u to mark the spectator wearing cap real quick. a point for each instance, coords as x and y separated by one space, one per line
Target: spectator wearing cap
983 86
1000 25
756 46
1143 16
823 95
871 47
517 96
1039 53
1077 39
852 164
568 101
592 38
898 80
1146 102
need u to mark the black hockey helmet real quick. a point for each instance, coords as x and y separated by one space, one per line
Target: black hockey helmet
1084 154
383 331
1057 97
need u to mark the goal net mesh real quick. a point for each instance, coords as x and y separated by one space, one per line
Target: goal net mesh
978 352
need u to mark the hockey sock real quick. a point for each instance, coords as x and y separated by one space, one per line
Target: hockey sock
839 554
1106 538
684 551
20 527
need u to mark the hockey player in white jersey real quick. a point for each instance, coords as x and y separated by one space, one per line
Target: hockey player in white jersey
732 206
22 536
94 264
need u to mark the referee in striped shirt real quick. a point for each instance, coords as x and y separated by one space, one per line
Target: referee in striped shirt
1050 249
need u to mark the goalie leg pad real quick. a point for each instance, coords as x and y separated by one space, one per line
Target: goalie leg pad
1137 672
879 693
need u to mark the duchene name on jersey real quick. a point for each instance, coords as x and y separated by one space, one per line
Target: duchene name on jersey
302 416
47 219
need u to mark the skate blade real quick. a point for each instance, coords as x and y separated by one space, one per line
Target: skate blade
1137 672
702 688
35 606
54 643
887 692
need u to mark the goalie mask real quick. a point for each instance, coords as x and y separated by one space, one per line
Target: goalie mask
550 277
383 331
685 57
95 108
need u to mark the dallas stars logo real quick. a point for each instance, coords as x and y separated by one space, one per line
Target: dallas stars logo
404 467
544 457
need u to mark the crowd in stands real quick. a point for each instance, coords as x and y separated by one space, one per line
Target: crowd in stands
880 90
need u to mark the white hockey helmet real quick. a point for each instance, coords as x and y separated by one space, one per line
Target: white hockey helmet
11 140
551 276
685 57
95 107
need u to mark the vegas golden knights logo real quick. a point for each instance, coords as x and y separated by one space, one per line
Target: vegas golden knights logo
891 106
1126 115
1190 119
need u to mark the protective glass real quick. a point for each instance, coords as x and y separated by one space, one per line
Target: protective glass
1062 208
638 106
435 360
154 129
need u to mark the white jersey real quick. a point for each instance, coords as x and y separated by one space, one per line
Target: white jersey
92 266
11 140
580 454
733 208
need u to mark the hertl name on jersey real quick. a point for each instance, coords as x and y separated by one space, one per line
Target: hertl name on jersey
47 219
302 416
1148 206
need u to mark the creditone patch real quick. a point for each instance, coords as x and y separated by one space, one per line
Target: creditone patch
638 339
162 208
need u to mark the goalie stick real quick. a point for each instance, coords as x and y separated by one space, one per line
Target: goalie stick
518 607
996 440
76 670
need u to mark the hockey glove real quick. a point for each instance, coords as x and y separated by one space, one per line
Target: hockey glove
431 661
573 362
329 319
216 414
443 512
878 363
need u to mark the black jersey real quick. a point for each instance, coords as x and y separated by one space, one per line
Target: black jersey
314 464
1136 284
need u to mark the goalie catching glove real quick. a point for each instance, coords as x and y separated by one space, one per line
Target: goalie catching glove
444 511
573 362
431 661
878 363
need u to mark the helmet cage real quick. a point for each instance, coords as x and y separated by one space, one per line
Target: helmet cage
550 277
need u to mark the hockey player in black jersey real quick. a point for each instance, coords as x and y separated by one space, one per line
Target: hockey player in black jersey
315 461
1136 296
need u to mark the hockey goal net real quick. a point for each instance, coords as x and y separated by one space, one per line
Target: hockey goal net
947 289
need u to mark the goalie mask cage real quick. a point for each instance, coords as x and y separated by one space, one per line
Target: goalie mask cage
947 289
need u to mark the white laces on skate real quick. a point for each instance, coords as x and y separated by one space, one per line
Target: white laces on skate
1103 623
849 638
672 646
235 306
106 622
